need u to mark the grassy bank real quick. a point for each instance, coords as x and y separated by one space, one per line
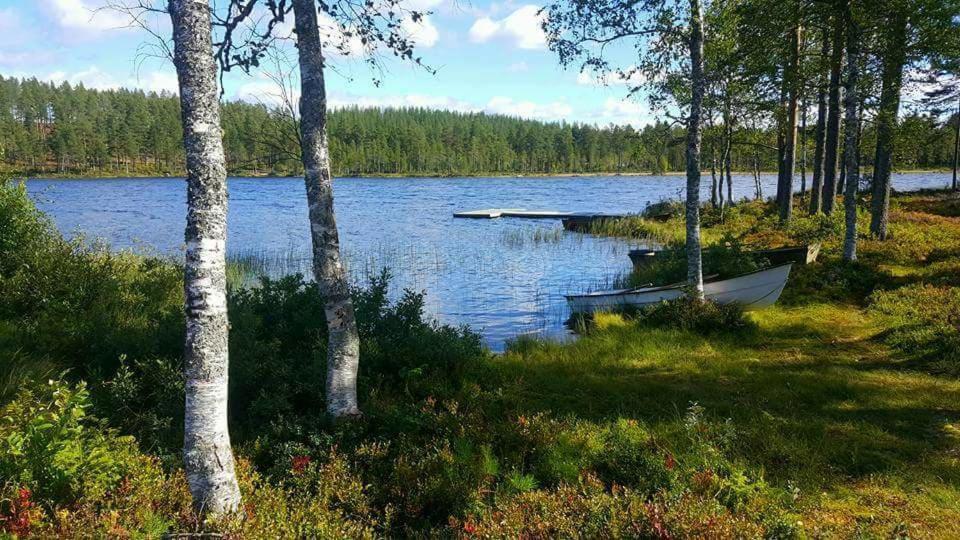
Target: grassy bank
833 414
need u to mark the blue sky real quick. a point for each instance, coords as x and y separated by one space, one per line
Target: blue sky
489 56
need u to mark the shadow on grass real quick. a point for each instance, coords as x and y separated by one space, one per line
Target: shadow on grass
820 402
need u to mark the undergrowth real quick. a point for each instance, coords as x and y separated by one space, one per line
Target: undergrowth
817 418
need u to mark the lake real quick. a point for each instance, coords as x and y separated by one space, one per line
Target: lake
501 277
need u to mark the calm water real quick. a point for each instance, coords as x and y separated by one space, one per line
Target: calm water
502 277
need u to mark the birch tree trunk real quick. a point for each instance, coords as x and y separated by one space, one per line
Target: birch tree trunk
816 189
893 61
343 342
803 149
851 135
728 160
790 139
833 118
207 455
713 175
956 148
694 266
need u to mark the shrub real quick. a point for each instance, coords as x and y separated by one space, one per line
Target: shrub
630 458
51 447
835 280
702 316
923 323
80 304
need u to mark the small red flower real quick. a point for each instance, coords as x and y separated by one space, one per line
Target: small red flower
300 463
469 527
670 463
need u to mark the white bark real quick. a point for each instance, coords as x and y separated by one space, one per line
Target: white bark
851 154
694 263
343 347
207 455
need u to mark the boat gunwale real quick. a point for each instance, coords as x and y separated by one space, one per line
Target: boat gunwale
624 292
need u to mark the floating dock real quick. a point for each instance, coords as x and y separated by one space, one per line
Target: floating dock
493 213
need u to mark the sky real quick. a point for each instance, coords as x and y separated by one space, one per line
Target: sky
488 56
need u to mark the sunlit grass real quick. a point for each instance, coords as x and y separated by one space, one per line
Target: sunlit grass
816 403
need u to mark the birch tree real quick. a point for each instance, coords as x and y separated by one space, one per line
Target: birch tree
378 27
207 455
910 30
343 346
666 41
792 85
832 138
816 189
851 119
694 136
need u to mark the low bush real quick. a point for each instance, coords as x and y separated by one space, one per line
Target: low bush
834 280
923 322
690 313
80 304
51 446
64 474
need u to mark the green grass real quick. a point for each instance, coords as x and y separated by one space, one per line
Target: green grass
834 414
815 401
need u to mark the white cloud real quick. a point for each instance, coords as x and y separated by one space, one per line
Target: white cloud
422 5
423 33
483 29
623 111
556 110
522 27
84 15
518 67
339 100
159 82
95 78
92 77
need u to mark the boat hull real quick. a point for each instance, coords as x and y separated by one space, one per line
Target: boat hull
755 290
798 254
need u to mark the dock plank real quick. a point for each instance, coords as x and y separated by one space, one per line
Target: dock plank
487 213
494 213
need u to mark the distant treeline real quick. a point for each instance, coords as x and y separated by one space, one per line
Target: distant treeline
47 128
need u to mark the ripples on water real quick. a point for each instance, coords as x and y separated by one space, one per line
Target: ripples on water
501 277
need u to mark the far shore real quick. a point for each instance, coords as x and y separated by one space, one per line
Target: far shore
248 174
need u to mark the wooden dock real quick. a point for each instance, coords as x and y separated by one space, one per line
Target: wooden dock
493 213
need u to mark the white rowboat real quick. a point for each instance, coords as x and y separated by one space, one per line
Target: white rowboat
753 291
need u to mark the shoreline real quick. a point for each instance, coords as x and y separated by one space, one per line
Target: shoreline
17 176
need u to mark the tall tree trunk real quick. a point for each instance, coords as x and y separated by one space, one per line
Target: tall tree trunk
790 139
851 120
832 144
343 347
841 178
757 185
803 150
816 190
894 58
956 148
713 174
694 266
207 455
728 165
728 148
783 106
